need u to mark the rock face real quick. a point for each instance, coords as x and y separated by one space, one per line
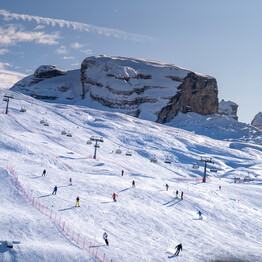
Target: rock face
257 121
147 89
142 88
50 83
228 108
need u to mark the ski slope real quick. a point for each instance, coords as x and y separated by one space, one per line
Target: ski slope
146 222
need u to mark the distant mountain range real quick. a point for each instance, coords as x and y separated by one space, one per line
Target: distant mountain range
142 88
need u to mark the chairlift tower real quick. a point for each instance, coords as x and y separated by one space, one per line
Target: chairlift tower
96 139
6 99
206 160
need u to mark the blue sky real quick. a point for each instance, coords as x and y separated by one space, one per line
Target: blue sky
220 38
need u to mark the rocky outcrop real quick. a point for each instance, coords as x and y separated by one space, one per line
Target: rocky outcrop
147 89
195 94
142 88
51 83
257 121
228 108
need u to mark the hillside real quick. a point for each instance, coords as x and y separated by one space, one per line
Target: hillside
146 222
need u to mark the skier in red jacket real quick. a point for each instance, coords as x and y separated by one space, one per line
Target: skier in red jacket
114 196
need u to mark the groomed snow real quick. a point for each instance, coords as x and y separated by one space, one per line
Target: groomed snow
146 222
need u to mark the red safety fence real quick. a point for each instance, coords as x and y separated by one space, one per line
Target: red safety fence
75 237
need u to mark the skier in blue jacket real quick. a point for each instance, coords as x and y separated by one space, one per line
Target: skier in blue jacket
200 214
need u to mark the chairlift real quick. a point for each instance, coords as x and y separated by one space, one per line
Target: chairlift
118 151
195 166
89 142
46 124
69 134
92 138
153 160
22 109
128 153
42 121
63 132
213 170
167 160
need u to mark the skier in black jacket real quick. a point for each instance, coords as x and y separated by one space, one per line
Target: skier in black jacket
55 190
178 248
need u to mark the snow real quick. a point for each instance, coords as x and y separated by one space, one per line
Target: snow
146 222
257 121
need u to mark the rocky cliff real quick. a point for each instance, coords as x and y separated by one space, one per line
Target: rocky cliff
147 89
142 88
228 108
257 121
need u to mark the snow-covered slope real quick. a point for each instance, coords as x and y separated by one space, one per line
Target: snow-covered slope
147 221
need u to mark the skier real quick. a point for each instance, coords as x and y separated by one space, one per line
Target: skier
122 172
133 183
54 191
44 172
105 238
167 186
70 181
114 196
77 202
178 248
219 187
200 214
182 195
177 194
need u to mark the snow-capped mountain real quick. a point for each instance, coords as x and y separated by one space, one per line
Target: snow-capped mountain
147 221
257 121
228 108
146 89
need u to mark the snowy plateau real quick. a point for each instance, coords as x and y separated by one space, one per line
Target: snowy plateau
147 221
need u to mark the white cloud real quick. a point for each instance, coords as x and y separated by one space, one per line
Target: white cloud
61 50
3 51
39 27
75 64
77 45
3 65
12 34
110 32
87 51
68 57
9 78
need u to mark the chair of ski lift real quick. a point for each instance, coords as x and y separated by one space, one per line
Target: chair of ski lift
46 123
213 170
89 142
118 151
22 109
42 121
128 153
153 160
195 166
167 160
69 134
63 132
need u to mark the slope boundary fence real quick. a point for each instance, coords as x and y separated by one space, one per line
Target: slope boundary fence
77 238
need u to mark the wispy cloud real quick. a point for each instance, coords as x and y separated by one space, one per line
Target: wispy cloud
110 32
68 57
61 50
12 34
9 78
3 51
77 45
39 27
87 51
